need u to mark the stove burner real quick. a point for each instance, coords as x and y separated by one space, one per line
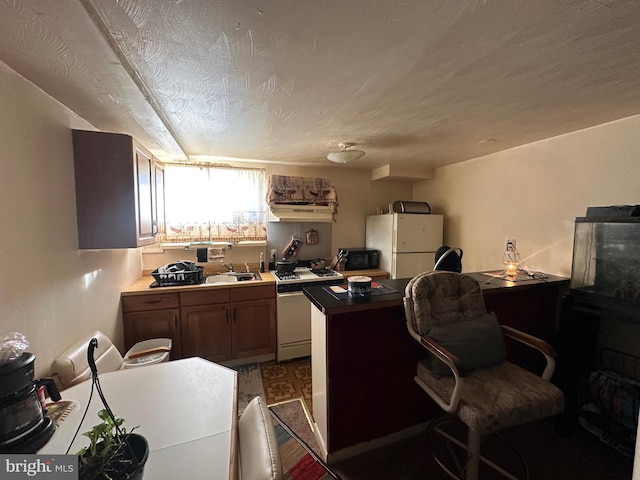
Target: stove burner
301 277
325 272
287 275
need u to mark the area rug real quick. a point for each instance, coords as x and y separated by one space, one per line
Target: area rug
299 461
249 384
295 414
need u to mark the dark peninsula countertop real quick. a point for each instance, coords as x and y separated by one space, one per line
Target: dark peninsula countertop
329 304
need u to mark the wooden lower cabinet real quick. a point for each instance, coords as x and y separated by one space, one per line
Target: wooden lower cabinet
154 324
205 332
228 331
152 316
216 324
253 328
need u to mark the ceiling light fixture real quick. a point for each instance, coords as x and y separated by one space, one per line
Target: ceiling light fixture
346 154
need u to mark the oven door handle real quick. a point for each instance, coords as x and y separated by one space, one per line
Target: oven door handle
290 294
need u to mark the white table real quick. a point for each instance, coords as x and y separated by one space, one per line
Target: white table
186 409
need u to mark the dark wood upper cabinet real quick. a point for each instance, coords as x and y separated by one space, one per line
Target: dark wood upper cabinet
119 191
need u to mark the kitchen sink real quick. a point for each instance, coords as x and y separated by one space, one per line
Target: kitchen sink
220 279
243 276
232 277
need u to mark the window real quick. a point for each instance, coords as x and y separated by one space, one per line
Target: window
214 204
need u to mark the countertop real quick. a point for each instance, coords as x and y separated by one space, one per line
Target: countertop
141 287
328 304
489 280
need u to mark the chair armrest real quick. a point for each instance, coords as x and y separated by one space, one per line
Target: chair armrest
444 355
537 343
450 361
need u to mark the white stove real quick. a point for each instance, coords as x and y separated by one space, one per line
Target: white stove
294 309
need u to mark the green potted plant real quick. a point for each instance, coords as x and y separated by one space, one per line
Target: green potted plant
113 453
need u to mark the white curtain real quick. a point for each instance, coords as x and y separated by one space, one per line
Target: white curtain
214 204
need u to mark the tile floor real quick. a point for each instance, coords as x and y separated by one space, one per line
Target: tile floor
287 381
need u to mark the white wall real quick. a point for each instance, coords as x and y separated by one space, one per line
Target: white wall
49 290
534 193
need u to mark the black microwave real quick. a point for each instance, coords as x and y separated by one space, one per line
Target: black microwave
361 258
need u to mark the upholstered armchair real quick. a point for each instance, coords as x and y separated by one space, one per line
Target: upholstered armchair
466 372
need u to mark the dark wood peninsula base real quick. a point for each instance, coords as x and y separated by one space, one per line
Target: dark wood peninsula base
364 361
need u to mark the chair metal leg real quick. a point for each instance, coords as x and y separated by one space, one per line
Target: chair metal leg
470 469
473 455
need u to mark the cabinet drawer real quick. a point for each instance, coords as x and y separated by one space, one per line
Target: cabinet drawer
252 293
205 297
142 303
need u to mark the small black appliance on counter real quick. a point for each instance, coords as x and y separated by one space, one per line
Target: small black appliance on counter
24 425
360 258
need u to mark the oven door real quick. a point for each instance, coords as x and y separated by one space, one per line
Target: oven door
294 325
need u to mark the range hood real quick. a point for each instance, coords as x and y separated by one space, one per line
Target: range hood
301 199
301 213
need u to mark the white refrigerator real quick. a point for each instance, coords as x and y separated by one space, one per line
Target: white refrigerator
407 242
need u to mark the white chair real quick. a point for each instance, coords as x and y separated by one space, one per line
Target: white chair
259 452
71 367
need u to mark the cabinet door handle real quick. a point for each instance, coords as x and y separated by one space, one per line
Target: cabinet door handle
148 302
175 321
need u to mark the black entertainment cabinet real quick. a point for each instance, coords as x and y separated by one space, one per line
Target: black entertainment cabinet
601 384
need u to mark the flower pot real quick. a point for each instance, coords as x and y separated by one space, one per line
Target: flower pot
123 468
140 448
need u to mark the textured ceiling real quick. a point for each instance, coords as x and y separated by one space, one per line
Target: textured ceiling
415 84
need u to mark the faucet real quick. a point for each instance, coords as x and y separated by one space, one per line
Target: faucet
230 266
246 266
